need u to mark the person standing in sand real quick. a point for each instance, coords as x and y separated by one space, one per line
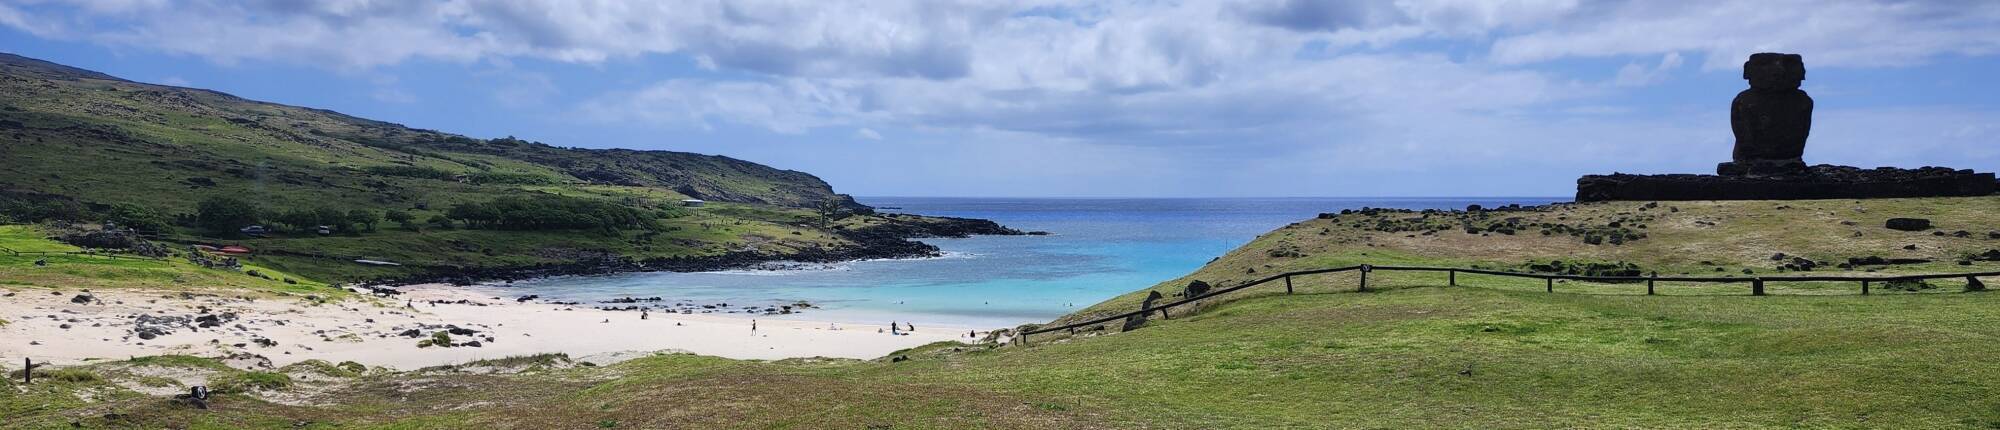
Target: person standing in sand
753 326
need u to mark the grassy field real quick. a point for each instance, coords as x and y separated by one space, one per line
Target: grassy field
1411 355
1733 238
69 269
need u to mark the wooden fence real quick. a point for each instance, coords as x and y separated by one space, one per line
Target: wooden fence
1756 285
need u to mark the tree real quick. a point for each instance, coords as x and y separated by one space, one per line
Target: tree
299 219
137 218
366 218
441 221
402 218
829 211
333 217
225 214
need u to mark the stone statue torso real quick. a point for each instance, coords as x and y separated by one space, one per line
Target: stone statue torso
1772 119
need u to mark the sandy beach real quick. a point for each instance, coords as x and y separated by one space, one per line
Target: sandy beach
51 326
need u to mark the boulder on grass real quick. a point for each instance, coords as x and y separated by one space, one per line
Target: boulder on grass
1908 224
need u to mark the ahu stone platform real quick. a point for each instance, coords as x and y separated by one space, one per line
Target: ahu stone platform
1818 182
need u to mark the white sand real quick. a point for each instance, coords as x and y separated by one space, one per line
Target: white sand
340 331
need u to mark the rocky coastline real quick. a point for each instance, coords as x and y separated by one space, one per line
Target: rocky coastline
886 241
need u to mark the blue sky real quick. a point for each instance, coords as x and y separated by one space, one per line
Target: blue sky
1089 98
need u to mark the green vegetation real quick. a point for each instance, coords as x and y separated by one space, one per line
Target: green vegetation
67 268
244 382
1735 238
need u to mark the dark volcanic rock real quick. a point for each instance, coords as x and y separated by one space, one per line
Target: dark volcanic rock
1819 182
1139 320
1196 288
1908 224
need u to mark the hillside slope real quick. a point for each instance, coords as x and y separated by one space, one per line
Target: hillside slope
1708 238
103 139
81 146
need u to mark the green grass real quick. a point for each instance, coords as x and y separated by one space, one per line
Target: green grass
1682 239
1412 354
246 382
81 271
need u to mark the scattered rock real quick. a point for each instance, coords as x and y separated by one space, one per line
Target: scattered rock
1195 288
1908 224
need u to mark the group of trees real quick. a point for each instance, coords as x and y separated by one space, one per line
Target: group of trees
303 219
551 212
226 214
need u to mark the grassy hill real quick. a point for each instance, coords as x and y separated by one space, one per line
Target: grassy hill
84 146
1412 353
1714 238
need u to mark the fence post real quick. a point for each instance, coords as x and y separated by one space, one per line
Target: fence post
28 373
1364 278
1864 288
1757 287
1552 284
1288 284
1649 283
1454 277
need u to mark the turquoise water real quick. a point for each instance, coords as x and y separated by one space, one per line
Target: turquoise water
1100 248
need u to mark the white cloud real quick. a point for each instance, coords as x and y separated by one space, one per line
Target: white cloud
1838 33
1415 84
1635 74
391 95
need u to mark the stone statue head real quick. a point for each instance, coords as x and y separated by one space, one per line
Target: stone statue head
1774 71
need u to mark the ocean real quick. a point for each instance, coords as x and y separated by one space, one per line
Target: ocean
1098 249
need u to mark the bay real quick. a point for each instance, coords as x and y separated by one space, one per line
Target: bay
1098 248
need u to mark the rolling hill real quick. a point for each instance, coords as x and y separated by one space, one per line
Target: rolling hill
82 146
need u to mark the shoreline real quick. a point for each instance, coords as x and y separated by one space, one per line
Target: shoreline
45 325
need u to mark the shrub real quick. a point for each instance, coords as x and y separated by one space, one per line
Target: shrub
419 172
251 381
484 178
549 212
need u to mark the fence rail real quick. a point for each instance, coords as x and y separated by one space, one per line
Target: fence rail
1756 285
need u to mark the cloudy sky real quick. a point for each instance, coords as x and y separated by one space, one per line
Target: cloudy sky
1090 98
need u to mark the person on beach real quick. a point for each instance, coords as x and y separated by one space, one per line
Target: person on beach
753 326
892 329
913 327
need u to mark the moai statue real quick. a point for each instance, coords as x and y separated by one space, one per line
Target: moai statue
1771 119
